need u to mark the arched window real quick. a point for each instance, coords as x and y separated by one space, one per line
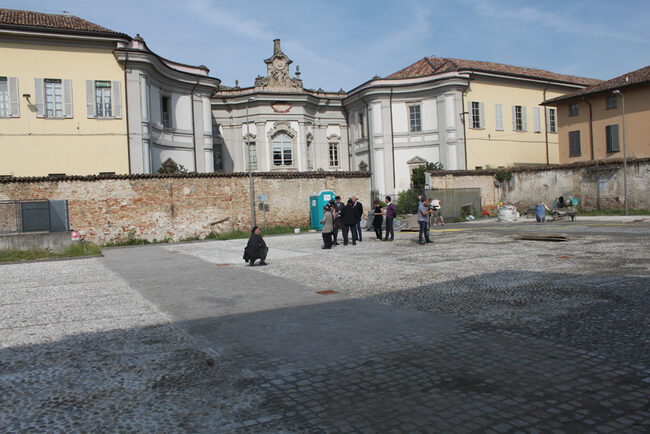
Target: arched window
282 153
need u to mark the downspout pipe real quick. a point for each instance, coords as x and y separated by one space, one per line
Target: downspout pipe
370 151
462 111
591 128
126 109
196 162
347 133
392 139
548 160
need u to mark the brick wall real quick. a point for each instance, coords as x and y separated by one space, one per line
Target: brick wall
105 209
597 184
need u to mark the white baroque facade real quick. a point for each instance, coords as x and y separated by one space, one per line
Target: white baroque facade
169 115
398 125
277 125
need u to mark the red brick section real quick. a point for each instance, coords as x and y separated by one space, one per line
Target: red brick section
19 18
439 65
634 78
178 207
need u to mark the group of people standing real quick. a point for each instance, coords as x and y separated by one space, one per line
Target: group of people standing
347 218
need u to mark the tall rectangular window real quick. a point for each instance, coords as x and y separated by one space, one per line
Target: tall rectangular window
574 144
362 126
415 118
611 133
610 102
573 109
4 98
552 125
217 157
53 98
476 115
103 99
498 116
166 110
252 155
282 150
519 118
334 154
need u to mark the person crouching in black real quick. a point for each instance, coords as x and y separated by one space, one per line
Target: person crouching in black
256 248
349 222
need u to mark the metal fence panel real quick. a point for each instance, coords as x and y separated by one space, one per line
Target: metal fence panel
455 199
35 216
59 216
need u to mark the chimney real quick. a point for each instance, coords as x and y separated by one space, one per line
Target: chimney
276 46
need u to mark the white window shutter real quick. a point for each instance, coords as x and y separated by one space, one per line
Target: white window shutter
537 119
514 119
470 114
14 106
39 88
117 99
91 107
524 119
498 114
67 98
482 115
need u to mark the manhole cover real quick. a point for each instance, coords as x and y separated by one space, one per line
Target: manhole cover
326 292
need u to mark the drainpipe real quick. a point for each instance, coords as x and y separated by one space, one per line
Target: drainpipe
196 163
548 161
591 129
347 133
462 110
392 139
126 110
370 155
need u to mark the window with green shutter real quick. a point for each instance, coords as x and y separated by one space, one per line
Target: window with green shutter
574 144
611 134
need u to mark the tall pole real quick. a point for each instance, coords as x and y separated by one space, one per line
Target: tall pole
624 154
250 168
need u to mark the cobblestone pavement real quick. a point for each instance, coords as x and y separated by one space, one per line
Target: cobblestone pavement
477 332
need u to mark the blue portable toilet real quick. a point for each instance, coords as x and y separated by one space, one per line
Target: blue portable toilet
317 202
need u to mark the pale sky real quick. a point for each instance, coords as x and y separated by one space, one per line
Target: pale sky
341 44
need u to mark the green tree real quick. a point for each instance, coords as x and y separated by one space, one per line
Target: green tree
417 177
407 202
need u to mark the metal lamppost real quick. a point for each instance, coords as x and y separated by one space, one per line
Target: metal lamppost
618 92
250 166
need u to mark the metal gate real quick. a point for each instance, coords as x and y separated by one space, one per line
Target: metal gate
455 201
34 216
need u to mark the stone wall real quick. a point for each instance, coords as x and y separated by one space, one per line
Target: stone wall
105 209
597 184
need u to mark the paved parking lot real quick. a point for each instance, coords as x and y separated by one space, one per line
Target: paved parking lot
476 332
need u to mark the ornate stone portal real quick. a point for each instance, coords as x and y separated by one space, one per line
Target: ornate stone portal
278 70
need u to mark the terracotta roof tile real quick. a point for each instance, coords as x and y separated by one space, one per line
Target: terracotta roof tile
634 78
438 65
18 18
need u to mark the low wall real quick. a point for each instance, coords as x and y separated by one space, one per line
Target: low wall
105 208
597 185
55 241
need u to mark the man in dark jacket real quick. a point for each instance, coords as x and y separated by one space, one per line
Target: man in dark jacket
337 209
349 221
358 213
256 248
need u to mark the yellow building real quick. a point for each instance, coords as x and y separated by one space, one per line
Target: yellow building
504 123
61 96
591 120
